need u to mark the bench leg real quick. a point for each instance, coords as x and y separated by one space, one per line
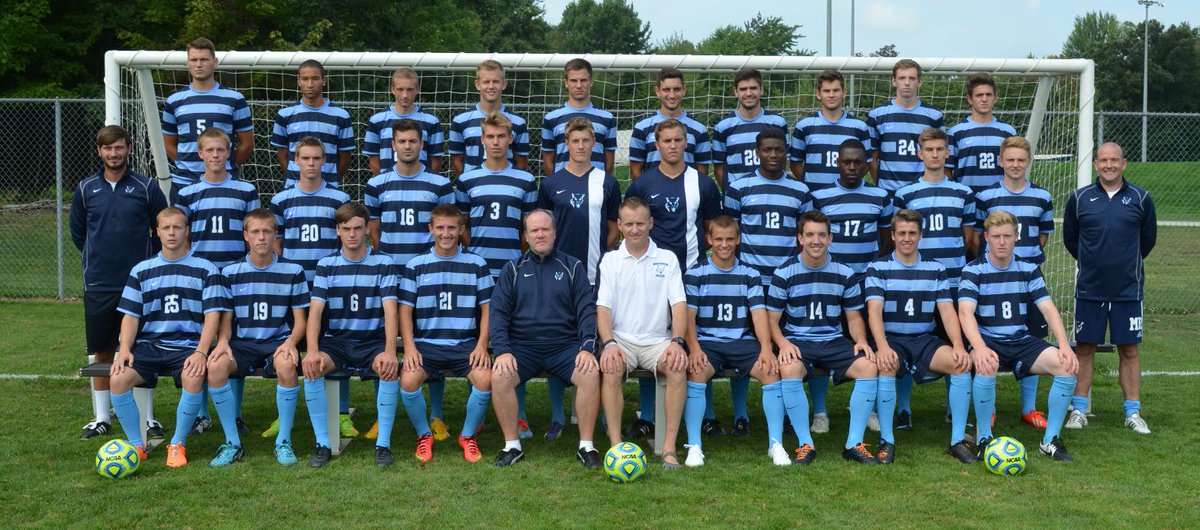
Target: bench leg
1088 412
660 413
333 405
144 399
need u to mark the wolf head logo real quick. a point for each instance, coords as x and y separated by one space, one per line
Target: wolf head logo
577 199
672 204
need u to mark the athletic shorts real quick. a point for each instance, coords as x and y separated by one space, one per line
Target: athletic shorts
437 359
352 355
1122 319
252 355
560 364
832 356
102 321
1017 355
737 355
151 360
916 354
644 357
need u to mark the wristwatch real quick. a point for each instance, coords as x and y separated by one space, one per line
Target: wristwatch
678 340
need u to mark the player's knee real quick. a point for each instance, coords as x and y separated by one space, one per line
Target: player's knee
585 382
123 382
410 382
1127 352
792 371
481 380
193 384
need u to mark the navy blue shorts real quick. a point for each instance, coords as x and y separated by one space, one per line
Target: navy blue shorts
1017 355
916 353
436 359
352 355
101 320
1123 320
151 360
560 364
251 355
737 355
832 356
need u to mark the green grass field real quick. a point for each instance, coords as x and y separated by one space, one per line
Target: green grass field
1119 479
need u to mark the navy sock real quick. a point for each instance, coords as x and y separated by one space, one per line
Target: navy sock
818 388
646 396
739 389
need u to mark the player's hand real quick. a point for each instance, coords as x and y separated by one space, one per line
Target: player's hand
313 366
120 362
697 362
768 362
1066 356
862 348
287 353
677 359
222 349
962 361
505 364
986 360
612 360
887 360
412 359
585 362
788 353
195 364
386 366
480 360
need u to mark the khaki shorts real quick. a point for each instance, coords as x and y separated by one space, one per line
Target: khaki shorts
644 357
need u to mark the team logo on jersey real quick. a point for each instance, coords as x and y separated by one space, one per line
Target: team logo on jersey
672 204
577 199
1127 200
558 276
660 269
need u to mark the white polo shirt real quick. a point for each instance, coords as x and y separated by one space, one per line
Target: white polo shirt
640 293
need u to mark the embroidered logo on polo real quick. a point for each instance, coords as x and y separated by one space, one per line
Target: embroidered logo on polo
660 269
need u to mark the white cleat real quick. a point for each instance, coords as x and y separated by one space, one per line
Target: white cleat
779 455
820 423
873 422
1137 424
1078 420
695 457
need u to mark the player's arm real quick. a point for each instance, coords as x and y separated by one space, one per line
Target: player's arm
224 333
1043 238
1066 354
129 330
343 164
171 143
702 168
954 333
797 167
697 361
885 240
196 362
479 356
873 168
412 356
762 332
282 154
373 164
521 162
610 160
788 352
858 333
970 240
288 350
884 354
373 232
719 174
635 169
386 364
547 162
245 147
612 359
456 164
984 356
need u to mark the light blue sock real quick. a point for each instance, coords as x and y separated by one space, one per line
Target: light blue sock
239 389
818 388
904 389
1029 394
1131 406
796 405
437 395
225 401
862 402
203 412
739 389
285 401
315 400
344 396
1062 388
646 395
984 388
960 404
385 408
414 407
772 402
1080 403
185 414
131 420
556 390
885 401
709 413
520 401
477 406
693 411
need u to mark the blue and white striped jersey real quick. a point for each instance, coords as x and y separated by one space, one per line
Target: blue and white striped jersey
327 123
554 134
1003 296
894 130
496 201
446 295
723 300
642 147
353 293
812 300
768 211
263 299
855 217
378 140
910 294
171 297
975 152
945 208
306 223
1034 209
215 213
679 206
581 205
188 112
734 141
815 142
466 137
402 205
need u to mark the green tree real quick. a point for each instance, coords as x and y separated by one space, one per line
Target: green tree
609 26
757 36
511 26
674 44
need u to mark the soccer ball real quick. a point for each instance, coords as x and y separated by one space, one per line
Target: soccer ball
117 459
625 462
1004 456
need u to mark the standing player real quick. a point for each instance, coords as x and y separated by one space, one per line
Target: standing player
643 154
578 80
975 142
172 304
314 116
268 298
1109 228
905 293
895 127
352 326
815 139
808 296
496 196
377 143
112 219
204 104
734 138
1033 207
996 293
444 297
466 133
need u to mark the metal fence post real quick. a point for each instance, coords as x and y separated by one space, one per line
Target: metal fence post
58 192
1099 129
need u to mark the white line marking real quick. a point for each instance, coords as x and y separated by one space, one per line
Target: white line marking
1113 373
30 377
1181 224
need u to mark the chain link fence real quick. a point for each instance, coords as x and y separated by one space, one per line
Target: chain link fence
50 147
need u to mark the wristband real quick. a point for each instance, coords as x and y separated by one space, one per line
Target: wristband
609 342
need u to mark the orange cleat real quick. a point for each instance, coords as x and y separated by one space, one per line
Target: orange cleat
424 448
176 455
1035 418
470 449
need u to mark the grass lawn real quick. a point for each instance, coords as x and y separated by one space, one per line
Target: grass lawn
1118 479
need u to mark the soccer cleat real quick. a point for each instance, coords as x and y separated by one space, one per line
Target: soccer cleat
950 419
424 448
226 454
1056 449
788 429
373 432
640 429
1137 424
508 457
860 454
284 454
243 429
886 453
1075 420
470 449
200 426
273 430
1035 418
95 428
820 424
873 421
441 431
711 427
554 431
589 457
346 426
695 457
176 455
805 454
141 451
779 455
523 432
383 456
741 427
963 452
154 429
320 456
904 420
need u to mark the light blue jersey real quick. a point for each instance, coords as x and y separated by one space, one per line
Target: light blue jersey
642 147
894 130
402 204
815 143
734 142
723 300
855 217
189 112
215 212
353 293
263 299
945 208
812 300
554 134
975 152
1004 297
1034 210
378 140
171 297
910 294
496 201
327 123
466 137
446 294
768 212
306 222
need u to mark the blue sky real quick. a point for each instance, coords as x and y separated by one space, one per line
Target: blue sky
918 28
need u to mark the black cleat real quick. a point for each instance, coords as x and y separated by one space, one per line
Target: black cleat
95 428
383 456
243 429
640 429
154 429
1056 449
886 453
741 427
320 456
963 452
200 426
589 458
711 428
981 446
904 420
787 427
509 457
860 454
805 454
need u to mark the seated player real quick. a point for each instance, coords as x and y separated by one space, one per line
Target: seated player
444 296
641 317
806 300
905 292
727 328
269 297
543 317
994 300
352 326
172 304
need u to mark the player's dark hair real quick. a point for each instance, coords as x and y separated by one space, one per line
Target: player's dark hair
671 123
309 141
349 211
578 64
932 133
812 216
981 78
723 221
202 43
770 133
747 73
261 214
633 203
579 123
111 134
829 76
669 73
444 211
312 63
405 125
907 216
852 143
906 63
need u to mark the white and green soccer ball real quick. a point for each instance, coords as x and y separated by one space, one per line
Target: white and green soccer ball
1005 456
625 462
117 459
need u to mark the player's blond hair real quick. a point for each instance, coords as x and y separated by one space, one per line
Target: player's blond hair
1016 142
490 65
932 133
999 218
497 119
215 133
405 73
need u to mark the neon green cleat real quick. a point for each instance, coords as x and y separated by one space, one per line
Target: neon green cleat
273 430
346 426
